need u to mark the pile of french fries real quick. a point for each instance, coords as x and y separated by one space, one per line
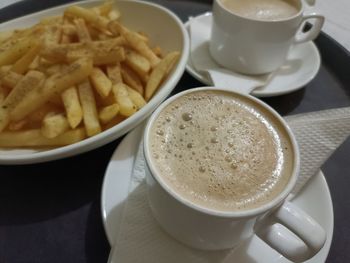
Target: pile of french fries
72 76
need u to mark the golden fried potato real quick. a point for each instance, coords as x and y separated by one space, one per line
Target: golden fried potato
107 113
71 76
126 106
34 138
89 16
54 125
159 72
32 80
88 103
72 106
101 83
74 74
132 79
135 41
12 54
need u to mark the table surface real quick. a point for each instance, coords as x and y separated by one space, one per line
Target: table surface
51 212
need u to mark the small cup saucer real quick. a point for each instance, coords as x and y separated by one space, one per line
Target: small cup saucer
302 65
315 199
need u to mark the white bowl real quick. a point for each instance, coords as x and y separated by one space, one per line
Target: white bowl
162 26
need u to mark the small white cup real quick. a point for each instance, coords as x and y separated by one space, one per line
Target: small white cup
295 234
252 46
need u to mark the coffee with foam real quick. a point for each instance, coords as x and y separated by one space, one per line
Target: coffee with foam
263 9
221 151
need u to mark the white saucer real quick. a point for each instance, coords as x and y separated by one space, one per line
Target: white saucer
302 65
315 199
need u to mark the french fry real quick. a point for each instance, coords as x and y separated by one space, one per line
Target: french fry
114 73
101 36
114 15
18 125
107 113
137 62
65 39
89 16
28 34
21 65
52 35
4 70
58 53
75 73
94 33
5 35
69 29
54 125
45 63
135 41
158 51
82 31
109 44
88 103
159 72
143 37
126 106
132 79
34 138
32 80
11 79
53 69
136 98
12 54
26 84
109 100
173 62
3 94
72 106
51 20
102 84
103 9
38 115
35 64
99 57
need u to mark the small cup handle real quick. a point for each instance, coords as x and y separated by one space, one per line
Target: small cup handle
315 29
296 235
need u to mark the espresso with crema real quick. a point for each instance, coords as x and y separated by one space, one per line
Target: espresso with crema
221 151
263 9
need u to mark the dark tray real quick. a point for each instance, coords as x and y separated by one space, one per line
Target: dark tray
51 212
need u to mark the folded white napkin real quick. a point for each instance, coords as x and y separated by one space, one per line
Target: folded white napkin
140 238
318 134
220 77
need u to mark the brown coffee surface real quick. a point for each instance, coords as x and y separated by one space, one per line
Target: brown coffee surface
221 151
263 9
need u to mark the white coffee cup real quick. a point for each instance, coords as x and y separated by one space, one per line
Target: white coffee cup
253 46
295 234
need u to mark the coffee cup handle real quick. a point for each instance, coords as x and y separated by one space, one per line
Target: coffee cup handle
313 32
295 234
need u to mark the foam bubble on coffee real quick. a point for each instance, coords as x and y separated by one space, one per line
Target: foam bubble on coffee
263 9
220 151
